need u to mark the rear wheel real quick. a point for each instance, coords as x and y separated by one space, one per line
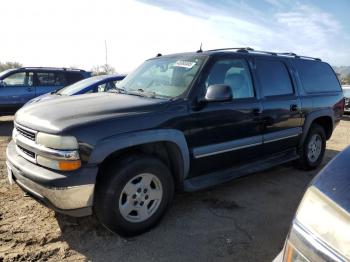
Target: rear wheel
313 149
132 198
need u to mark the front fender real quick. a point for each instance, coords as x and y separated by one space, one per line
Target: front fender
112 144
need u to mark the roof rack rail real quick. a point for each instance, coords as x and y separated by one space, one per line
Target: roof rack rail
310 58
264 52
300 56
52 68
289 54
249 49
241 49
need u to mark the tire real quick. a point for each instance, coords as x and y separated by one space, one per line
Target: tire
313 149
132 197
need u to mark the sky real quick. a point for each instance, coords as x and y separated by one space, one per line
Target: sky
69 33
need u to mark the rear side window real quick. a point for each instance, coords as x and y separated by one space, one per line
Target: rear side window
316 76
51 79
73 77
274 78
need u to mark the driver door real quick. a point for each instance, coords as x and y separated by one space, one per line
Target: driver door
15 91
227 133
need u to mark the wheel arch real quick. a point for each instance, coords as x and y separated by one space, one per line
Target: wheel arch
324 118
168 145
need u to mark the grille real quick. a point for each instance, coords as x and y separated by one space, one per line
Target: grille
26 133
27 152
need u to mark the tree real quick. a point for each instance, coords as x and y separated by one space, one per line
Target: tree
339 76
346 80
105 69
9 65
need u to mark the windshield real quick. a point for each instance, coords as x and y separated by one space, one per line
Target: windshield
5 72
166 77
346 92
78 86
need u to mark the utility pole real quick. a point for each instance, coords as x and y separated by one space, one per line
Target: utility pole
106 52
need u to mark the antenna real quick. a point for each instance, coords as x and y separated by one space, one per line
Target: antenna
200 49
106 52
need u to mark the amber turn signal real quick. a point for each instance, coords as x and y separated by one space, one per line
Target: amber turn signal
69 165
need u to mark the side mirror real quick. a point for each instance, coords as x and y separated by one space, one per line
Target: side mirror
1 82
218 93
101 88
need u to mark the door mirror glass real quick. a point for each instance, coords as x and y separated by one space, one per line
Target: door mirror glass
218 93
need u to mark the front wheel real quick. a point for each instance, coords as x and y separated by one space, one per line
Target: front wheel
313 149
131 198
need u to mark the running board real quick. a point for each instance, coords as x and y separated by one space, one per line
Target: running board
222 176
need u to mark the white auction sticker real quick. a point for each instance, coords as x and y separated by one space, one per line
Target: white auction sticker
183 63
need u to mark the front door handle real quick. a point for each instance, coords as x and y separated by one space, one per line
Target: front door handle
293 107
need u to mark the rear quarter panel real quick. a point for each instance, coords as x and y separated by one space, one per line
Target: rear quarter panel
311 103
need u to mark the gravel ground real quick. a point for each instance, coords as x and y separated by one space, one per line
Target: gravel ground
245 220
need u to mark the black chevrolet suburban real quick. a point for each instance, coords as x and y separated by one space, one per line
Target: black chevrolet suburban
185 121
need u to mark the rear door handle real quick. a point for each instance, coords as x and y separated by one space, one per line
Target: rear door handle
294 107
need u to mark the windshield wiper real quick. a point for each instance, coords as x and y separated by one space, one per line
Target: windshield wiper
143 93
138 92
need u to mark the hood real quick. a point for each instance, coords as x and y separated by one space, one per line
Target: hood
58 115
43 97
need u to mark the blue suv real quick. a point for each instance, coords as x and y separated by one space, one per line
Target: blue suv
18 86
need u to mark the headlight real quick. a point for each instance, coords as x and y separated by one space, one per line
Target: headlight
326 225
63 143
293 254
63 165
57 142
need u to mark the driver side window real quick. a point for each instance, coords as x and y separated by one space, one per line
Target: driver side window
19 79
234 73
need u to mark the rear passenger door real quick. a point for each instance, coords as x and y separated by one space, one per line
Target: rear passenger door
281 117
47 82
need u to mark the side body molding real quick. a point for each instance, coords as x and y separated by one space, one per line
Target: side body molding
310 117
112 144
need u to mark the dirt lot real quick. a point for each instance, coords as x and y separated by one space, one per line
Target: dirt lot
245 220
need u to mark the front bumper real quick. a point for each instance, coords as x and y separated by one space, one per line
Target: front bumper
69 193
